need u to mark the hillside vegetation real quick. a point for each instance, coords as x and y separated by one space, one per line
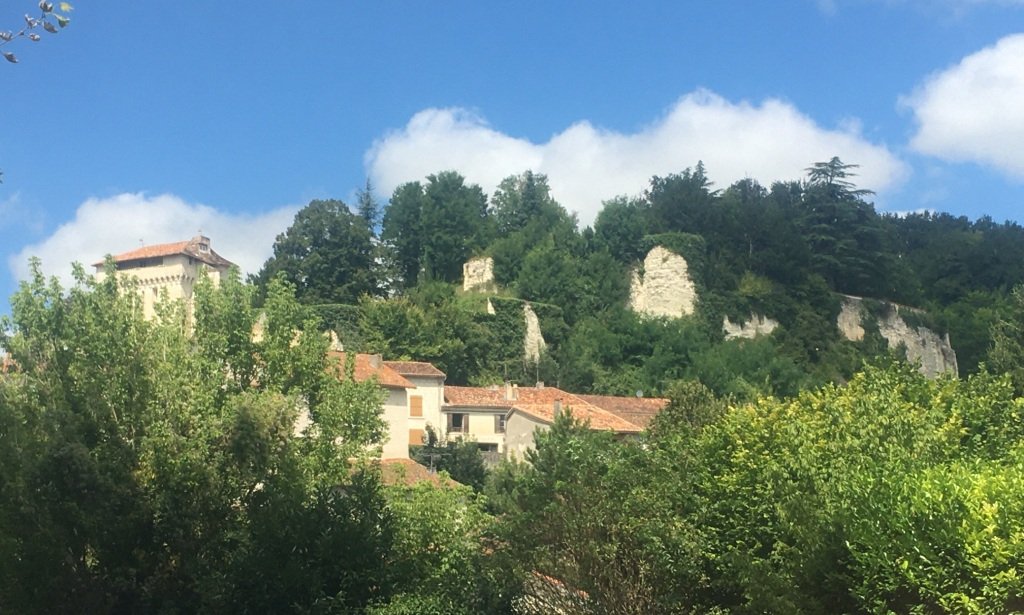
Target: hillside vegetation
151 466
785 252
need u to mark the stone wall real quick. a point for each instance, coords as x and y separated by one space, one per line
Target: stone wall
923 345
664 288
478 273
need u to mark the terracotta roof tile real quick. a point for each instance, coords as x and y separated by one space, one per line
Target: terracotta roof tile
407 472
414 368
598 418
495 397
370 366
637 410
187 248
539 402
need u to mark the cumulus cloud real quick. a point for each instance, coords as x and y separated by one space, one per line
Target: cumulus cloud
974 111
586 164
118 223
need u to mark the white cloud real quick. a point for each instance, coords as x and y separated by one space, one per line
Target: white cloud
586 165
118 223
974 111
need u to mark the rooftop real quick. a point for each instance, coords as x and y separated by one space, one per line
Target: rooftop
414 368
598 418
371 366
637 410
619 414
198 248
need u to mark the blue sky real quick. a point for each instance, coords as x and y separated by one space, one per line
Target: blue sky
148 121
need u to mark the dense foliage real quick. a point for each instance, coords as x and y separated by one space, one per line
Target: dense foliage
154 467
786 252
892 494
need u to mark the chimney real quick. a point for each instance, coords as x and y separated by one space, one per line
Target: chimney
508 390
515 391
540 384
558 408
375 360
202 242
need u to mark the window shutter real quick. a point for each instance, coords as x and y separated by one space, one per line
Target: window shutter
415 405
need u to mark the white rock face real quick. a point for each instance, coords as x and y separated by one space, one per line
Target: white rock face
923 345
478 273
665 289
849 319
755 327
533 342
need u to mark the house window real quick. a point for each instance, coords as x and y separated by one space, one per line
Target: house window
458 423
499 423
487 447
415 405
415 437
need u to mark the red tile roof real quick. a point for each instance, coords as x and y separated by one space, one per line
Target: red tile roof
187 248
596 417
370 366
408 472
637 410
414 368
539 403
495 396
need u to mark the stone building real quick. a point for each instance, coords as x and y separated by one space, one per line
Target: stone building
173 268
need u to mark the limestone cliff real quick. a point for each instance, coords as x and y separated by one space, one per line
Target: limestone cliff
533 341
755 327
664 288
923 345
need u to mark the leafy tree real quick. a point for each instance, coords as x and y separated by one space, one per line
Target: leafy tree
549 275
460 458
442 564
367 207
597 534
1007 353
402 234
681 202
454 225
326 253
49 20
150 468
620 228
831 177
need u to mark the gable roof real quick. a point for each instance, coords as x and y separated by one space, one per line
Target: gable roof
598 418
539 403
371 366
192 248
415 368
637 410
495 396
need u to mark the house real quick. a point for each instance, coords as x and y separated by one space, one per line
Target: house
424 399
396 404
525 419
503 420
170 267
